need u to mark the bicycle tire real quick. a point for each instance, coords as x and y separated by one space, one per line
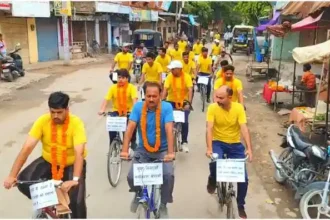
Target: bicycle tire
141 211
175 142
203 93
230 209
114 148
157 201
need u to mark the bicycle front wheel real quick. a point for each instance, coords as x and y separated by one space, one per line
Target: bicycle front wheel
203 94
142 211
114 163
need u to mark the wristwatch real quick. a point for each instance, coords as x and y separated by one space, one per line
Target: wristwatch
76 178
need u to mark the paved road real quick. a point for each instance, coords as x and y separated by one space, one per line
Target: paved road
87 88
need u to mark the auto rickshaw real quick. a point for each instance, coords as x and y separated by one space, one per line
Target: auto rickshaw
242 39
151 39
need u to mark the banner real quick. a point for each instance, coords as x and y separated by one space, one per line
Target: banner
59 10
31 9
143 15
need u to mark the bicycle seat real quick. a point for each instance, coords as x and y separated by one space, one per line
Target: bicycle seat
298 138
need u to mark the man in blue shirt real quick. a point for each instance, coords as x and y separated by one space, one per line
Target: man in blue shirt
154 120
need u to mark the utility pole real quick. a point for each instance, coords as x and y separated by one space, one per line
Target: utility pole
176 16
65 25
179 17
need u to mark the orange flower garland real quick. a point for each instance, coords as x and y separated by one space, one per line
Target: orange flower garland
58 174
232 85
179 100
122 100
144 129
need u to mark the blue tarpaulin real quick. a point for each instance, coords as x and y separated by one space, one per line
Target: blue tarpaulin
191 19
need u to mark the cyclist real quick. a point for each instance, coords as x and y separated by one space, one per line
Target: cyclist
154 120
63 140
220 73
189 67
124 60
182 43
197 48
231 81
167 47
215 51
204 68
151 70
226 120
123 96
163 59
176 53
224 56
178 92
190 53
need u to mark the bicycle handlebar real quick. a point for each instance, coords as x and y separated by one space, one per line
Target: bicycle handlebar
57 183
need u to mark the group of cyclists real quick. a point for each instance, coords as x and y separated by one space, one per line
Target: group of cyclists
168 83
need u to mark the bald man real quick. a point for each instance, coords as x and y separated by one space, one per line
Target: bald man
226 120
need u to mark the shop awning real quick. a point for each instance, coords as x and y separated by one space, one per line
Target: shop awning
303 8
271 22
306 23
309 54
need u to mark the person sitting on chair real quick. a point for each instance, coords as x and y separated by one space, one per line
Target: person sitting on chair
308 84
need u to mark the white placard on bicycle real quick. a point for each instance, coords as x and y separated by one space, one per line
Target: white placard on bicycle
142 94
115 76
203 80
43 195
178 116
229 170
147 174
116 123
163 76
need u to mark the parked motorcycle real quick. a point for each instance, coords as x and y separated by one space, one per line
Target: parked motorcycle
137 68
12 65
300 163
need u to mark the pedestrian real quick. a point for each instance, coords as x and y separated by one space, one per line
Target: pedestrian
3 48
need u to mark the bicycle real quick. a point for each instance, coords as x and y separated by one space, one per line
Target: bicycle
50 211
113 157
227 196
202 83
177 135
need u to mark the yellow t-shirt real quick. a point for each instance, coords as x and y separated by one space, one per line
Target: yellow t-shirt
76 135
164 61
168 85
197 48
176 54
152 73
188 68
123 60
219 73
216 50
226 124
182 45
204 64
191 56
237 87
131 93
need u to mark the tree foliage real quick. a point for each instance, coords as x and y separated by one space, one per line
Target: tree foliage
251 11
202 9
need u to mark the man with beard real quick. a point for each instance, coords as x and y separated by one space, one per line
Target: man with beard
121 105
63 140
226 121
232 82
154 120
178 91
124 60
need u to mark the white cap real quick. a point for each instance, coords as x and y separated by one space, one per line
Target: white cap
127 44
175 64
217 41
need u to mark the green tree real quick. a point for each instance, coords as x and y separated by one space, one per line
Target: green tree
251 11
224 11
202 9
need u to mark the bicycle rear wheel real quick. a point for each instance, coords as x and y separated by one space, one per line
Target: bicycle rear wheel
114 161
203 94
142 211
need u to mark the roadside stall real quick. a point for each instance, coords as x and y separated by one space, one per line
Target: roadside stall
314 118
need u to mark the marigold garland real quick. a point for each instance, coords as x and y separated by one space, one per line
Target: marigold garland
232 85
122 99
144 129
179 100
58 174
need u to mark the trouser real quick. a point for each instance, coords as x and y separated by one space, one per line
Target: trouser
185 125
113 134
142 156
233 151
208 92
41 169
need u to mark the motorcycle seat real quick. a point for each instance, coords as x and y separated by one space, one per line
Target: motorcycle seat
299 140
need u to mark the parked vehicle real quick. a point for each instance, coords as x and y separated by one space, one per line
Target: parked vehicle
301 163
242 39
12 65
150 38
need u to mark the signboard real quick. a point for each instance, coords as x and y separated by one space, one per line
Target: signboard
111 8
154 15
43 194
116 124
141 15
178 116
4 6
31 9
230 171
147 174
